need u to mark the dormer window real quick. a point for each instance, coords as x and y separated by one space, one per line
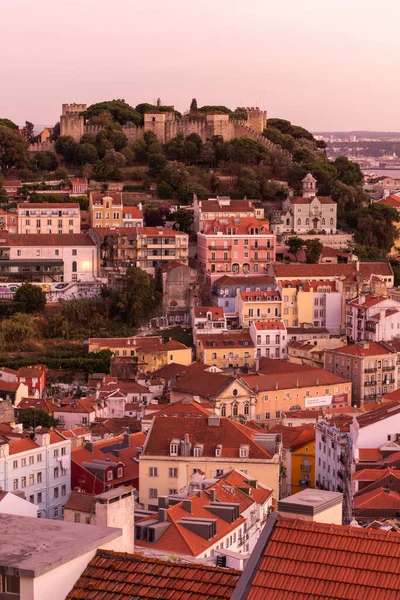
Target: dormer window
198 450
218 451
208 316
244 452
174 448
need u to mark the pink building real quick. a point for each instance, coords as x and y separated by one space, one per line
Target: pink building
235 245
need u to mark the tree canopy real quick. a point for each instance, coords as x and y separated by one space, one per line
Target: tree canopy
32 296
120 111
13 149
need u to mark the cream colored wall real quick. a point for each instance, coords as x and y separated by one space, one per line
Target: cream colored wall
204 354
291 317
330 515
243 309
264 471
305 306
277 400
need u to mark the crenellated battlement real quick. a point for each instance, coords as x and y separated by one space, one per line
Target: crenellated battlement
73 108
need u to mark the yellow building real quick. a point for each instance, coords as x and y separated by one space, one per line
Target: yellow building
226 350
49 218
298 458
176 447
150 353
257 306
281 387
106 209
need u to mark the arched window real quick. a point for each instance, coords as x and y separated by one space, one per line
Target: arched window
246 409
323 221
223 410
298 221
331 221
235 410
74 266
287 221
307 221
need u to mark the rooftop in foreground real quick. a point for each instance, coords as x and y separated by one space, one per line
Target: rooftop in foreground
35 546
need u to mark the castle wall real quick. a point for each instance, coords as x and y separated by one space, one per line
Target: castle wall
42 147
72 122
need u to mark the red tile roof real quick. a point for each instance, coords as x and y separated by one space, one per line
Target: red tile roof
202 383
23 445
200 312
289 380
83 405
377 499
120 576
97 198
365 349
316 561
49 239
241 225
230 435
236 206
302 200
391 200
269 325
233 339
272 296
47 205
383 412
80 501
369 454
295 437
366 269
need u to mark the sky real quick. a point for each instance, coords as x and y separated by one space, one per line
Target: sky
323 64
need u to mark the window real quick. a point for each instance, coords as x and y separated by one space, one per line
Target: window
32 499
39 497
23 462
56 472
247 409
77 517
120 471
74 252
235 410
15 464
109 475
10 586
23 482
172 491
223 410
56 512
63 490
173 472
31 460
267 416
153 493
56 492
63 451
197 451
39 458
153 472
278 414
243 452
55 453
173 449
74 266
31 479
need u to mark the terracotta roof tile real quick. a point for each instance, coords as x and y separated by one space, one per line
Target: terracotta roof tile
378 499
383 412
49 239
307 561
200 312
120 576
80 501
366 349
369 454
229 434
366 269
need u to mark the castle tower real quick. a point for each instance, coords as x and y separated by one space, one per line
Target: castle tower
155 122
256 119
309 186
72 121
218 124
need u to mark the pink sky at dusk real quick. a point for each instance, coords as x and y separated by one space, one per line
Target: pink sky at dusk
323 64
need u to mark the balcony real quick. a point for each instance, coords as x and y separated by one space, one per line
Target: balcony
388 368
369 383
370 370
306 468
219 247
261 247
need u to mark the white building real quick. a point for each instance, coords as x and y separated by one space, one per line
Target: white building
308 212
208 319
49 218
48 258
372 318
40 468
80 413
269 338
14 504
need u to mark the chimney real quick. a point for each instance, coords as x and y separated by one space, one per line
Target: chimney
162 515
89 446
187 505
212 496
163 502
127 439
357 263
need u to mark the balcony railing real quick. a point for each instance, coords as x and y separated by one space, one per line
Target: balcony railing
388 368
369 383
306 468
370 370
219 247
261 247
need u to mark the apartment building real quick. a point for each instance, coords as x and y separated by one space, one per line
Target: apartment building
225 289
312 303
8 221
48 218
235 245
269 338
132 216
258 306
105 209
144 247
372 318
281 387
223 207
208 319
39 468
228 350
48 258
371 366
177 447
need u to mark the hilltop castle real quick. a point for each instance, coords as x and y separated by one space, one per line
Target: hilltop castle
167 126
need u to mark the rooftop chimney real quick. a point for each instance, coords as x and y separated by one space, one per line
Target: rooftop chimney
187 505
212 495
